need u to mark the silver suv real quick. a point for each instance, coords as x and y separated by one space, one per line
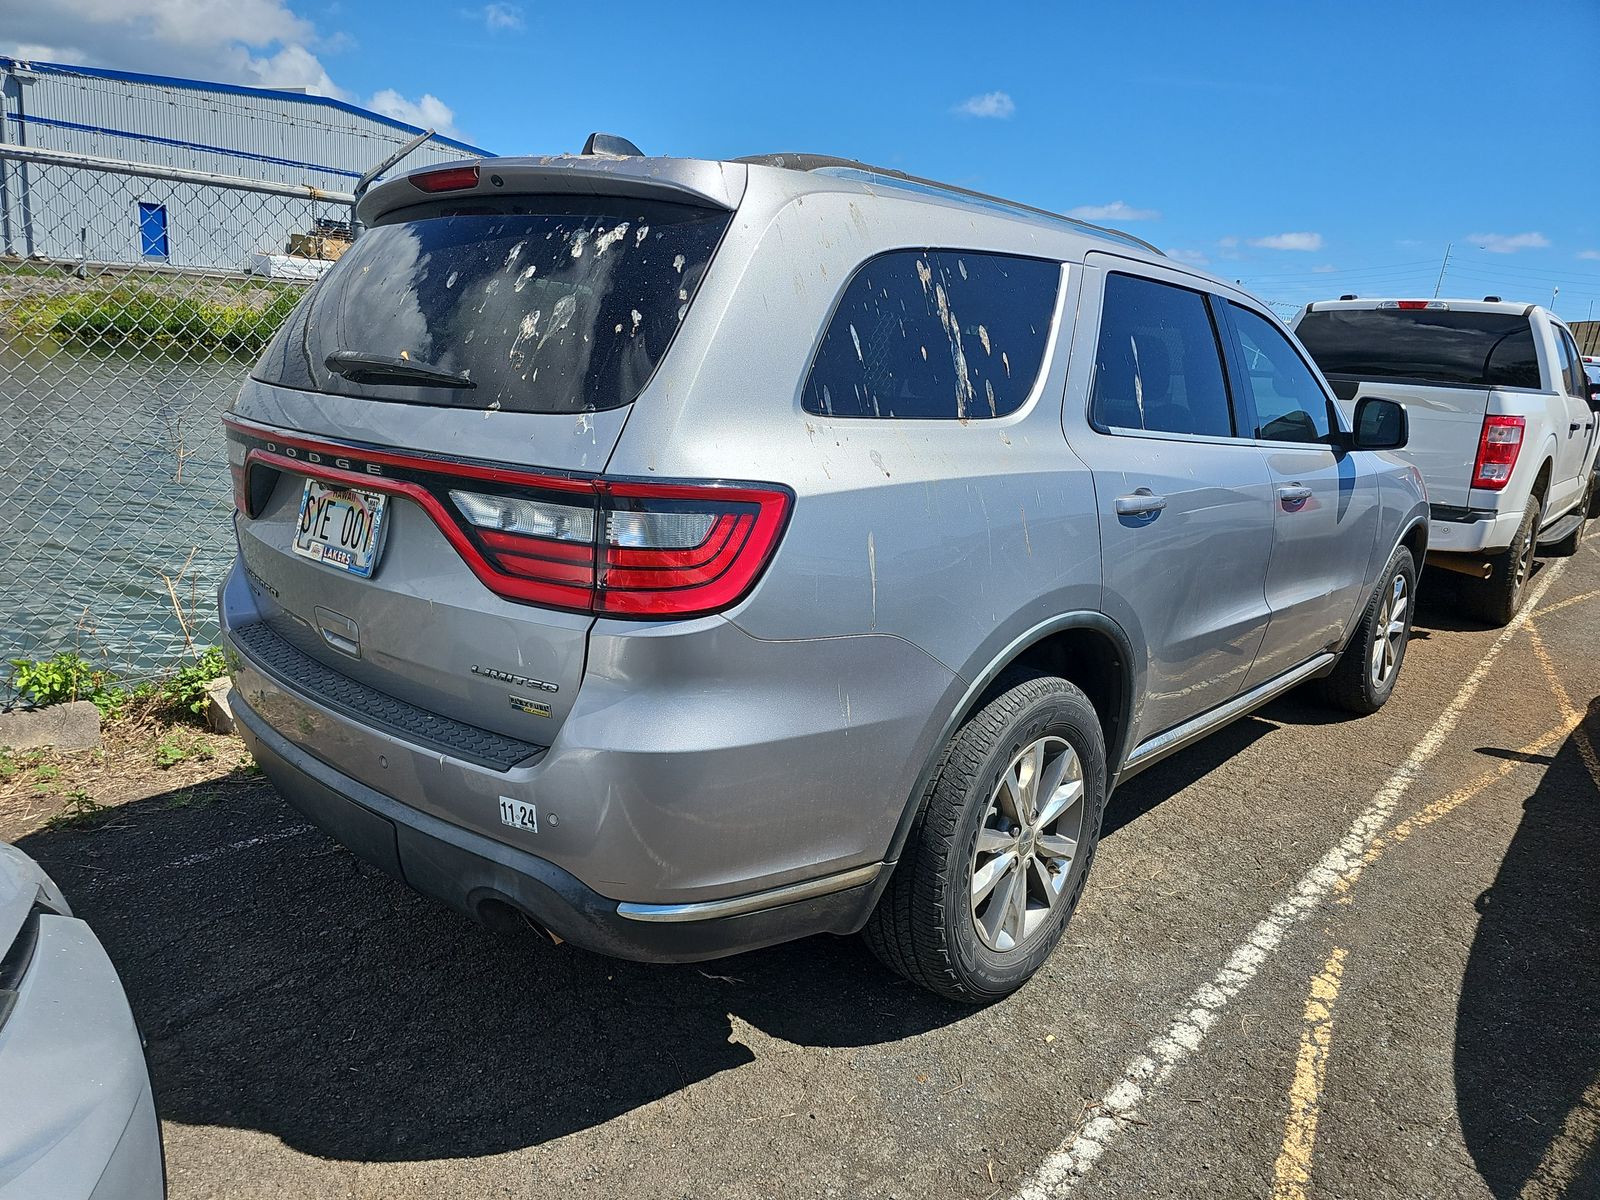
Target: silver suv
688 556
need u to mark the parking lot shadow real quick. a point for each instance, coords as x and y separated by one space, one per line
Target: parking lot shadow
285 987
1167 778
1527 1046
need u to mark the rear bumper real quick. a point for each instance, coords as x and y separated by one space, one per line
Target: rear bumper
1454 530
697 764
478 875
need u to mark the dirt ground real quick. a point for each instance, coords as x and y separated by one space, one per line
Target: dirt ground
1319 957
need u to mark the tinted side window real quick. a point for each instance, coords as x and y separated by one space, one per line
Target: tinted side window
1572 364
1290 404
935 334
1157 365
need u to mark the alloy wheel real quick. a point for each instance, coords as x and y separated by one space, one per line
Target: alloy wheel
1389 638
1027 843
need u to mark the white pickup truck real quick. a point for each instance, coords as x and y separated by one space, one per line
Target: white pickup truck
1503 425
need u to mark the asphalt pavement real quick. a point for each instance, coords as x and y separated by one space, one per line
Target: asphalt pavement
1318 957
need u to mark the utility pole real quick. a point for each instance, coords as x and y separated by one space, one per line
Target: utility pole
1554 292
1442 266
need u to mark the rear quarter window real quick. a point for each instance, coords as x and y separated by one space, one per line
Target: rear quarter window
935 335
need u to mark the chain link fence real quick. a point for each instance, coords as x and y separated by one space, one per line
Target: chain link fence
133 300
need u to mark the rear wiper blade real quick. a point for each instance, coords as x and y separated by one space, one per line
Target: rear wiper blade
377 368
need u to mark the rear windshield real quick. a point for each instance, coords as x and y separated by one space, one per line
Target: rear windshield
549 304
1477 349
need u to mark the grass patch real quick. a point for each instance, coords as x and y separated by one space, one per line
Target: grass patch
78 810
141 316
173 749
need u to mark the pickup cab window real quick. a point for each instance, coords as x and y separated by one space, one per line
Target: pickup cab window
1432 345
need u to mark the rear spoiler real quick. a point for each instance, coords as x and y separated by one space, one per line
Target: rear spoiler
700 182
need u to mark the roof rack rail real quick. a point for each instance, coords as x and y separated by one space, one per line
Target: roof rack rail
847 167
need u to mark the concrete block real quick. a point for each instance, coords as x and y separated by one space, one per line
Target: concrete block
219 713
74 726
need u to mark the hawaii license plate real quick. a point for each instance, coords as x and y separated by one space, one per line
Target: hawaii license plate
340 527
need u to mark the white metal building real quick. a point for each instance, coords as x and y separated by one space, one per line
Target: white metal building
65 213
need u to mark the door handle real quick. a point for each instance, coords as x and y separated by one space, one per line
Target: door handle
1293 495
1143 503
1573 428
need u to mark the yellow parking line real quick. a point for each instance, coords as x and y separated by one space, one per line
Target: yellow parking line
1568 1151
1567 603
1580 737
1293 1170
1580 1131
1446 805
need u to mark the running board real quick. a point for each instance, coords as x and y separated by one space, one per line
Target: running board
1153 750
1563 527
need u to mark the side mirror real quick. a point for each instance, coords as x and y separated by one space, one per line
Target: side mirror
1379 425
1594 397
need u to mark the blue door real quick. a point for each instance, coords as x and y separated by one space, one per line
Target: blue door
152 230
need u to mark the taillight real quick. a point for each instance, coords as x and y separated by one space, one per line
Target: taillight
1498 448
450 179
639 549
672 550
621 547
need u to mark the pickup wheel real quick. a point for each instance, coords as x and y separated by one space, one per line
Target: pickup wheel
998 855
1594 495
1367 670
1498 598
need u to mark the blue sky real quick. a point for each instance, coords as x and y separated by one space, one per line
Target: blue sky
1306 149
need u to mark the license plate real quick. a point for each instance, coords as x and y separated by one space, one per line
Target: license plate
340 527
518 814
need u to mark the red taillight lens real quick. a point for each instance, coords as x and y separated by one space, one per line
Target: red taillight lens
639 549
451 179
676 550
546 543
1498 448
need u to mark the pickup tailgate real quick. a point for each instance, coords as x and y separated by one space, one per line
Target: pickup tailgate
1446 425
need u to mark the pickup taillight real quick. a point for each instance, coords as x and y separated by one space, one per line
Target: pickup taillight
1498 447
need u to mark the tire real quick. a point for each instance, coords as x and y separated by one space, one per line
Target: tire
1594 495
927 926
1498 598
1367 670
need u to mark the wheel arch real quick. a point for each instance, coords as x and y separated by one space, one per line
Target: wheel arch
1088 649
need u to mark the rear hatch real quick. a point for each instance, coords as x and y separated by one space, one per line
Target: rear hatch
416 455
1443 364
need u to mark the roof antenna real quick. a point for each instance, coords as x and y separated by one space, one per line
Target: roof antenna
610 143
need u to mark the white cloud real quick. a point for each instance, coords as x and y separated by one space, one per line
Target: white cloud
1117 210
1324 269
1508 243
1589 254
502 17
1228 243
429 112
1289 241
1195 258
260 43
990 104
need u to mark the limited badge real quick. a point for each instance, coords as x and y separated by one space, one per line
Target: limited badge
534 708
